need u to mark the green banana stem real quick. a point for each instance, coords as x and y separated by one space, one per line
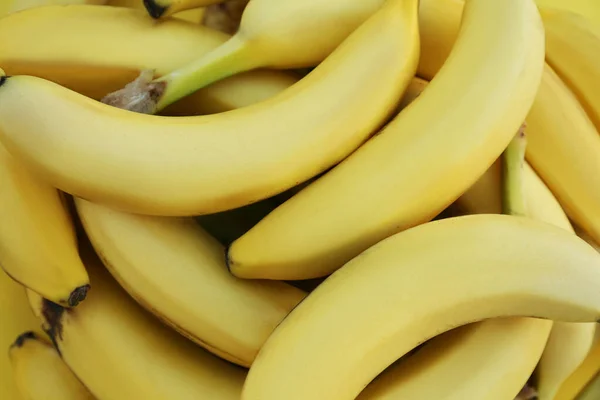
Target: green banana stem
513 196
232 57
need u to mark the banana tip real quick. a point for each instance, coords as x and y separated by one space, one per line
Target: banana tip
53 317
3 77
22 338
155 10
78 295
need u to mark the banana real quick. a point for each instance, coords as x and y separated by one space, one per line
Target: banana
564 148
415 285
421 161
484 360
178 272
582 234
165 8
113 45
121 352
15 317
41 374
205 164
568 344
273 34
38 246
226 16
195 15
514 344
573 51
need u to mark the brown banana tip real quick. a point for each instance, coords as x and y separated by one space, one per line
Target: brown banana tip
20 341
78 295
3 79
156 11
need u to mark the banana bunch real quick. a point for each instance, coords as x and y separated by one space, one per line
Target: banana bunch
324 200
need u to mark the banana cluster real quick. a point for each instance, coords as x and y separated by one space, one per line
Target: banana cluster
299 200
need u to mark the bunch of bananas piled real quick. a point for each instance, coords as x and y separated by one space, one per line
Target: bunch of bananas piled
344 199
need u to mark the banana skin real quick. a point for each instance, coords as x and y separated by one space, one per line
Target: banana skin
199 165
478 267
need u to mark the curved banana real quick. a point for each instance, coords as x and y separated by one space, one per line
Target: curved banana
573 50
415 285
113 45
419 163
568 344
165 8
38 246
457 365
274 34
178 272
41 374
564 148
15 317
205 164
134 356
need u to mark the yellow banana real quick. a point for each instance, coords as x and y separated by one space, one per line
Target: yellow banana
568 344
488 360
415 285
453 365
38 247
165 8
195 15
205 164
421 161
563 145
113 45
274 34
177 271
582 234
121 352
15 317
41 374
564 148
573 51
590 9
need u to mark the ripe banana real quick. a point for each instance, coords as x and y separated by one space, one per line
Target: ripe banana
15 317
591 391
573 50
205 164
564 148
514 344
178 272
421 161
41 374
165 8
415 285
113 45
488 360
38 247
274 34
121 352
569 343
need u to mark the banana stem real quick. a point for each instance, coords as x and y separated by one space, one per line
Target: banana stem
513 193
232 57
